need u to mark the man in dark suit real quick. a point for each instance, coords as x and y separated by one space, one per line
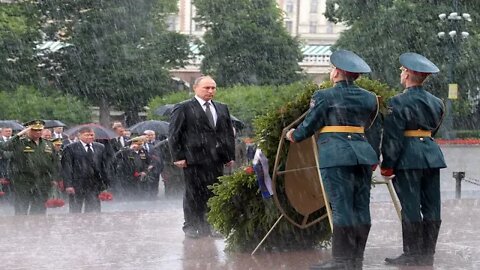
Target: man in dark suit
120 141
202 142
85 172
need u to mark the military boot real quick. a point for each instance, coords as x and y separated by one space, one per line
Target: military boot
362 232
430 236
343 247
412 234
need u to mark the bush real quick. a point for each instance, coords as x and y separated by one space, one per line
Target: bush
238 211
468 134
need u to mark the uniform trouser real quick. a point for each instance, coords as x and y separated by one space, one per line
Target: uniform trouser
197 180
33 197
90 197
419 194
348 190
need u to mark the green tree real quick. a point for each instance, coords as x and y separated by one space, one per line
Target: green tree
18 32
394 27
27 103
245 43
121 51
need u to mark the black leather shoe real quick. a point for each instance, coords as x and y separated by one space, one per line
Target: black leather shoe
335 264
404 259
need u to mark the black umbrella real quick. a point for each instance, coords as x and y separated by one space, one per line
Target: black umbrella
101 132
13 124
160 127
54 123
164 110
237 123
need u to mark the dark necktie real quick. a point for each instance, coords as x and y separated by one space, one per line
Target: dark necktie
209 114
89 152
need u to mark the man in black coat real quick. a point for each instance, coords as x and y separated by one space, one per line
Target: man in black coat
85 172
202 141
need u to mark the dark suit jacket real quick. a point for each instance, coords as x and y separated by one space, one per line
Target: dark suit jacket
192 138
80 172
116 145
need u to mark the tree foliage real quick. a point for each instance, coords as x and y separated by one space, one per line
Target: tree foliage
18 33
382 30
121 50
27 103
246 43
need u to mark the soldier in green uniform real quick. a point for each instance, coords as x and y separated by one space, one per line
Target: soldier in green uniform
341 115
132 165
413 159
33 164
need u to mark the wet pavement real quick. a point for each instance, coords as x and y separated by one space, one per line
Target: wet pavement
151 238
148 235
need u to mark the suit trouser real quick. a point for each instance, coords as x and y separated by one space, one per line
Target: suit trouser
419 194
197 180
33 197
90 197
348 190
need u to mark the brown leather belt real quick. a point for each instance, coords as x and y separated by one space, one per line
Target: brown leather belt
417 133
342 129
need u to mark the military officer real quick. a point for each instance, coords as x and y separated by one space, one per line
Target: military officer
132 165
342 114
33 164
413 159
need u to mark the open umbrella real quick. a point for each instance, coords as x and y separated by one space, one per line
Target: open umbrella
54 123
160 127
164 110
13 124
237 123
101 132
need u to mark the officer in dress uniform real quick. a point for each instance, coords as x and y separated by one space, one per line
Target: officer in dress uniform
33 164
341 115
132 165
413 159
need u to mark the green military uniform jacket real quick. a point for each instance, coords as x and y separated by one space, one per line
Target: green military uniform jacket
412 110
345 104
31 165
128 165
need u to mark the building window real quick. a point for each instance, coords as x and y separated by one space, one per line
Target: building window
314 6
289 7
329 28
289 26
313 27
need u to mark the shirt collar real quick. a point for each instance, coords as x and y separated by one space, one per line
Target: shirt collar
201 101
